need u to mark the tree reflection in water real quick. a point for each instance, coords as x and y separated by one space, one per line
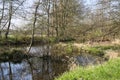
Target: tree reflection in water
32 69
40 66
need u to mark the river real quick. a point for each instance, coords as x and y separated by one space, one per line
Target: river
38 68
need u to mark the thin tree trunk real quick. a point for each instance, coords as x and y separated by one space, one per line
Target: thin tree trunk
10 72
3 7
10 17
34 24
56 20
31 69
2 72
48 20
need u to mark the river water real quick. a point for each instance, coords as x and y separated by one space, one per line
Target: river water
37 68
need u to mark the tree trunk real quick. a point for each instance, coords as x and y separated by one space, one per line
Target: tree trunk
3 7
10 17
10 72
33 28
48 20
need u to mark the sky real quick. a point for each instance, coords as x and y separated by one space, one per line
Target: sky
28 3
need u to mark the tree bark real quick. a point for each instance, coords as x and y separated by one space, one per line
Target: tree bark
3 7
34 24
10 17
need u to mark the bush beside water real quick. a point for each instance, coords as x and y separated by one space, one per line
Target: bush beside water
13 55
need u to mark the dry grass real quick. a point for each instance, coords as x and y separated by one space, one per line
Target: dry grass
110 54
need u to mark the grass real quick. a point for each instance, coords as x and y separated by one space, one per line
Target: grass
100 50
113 47
26 40
20 39
64 50
108 71
70 50
95 51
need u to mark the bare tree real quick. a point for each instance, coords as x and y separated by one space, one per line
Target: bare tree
2 15
10 17
34 24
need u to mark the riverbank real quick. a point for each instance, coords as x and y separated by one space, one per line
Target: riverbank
108 51
82 48
66 48
107 71
67 52
25 40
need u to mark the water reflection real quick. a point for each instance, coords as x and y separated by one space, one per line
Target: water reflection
38 68
15 71
39 50
32 69
87 59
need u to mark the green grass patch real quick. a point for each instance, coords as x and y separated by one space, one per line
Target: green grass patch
95 51
108 71
100 50
21 39
26 40
64 49
113 47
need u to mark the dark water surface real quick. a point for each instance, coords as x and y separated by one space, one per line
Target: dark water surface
34 69
37 68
